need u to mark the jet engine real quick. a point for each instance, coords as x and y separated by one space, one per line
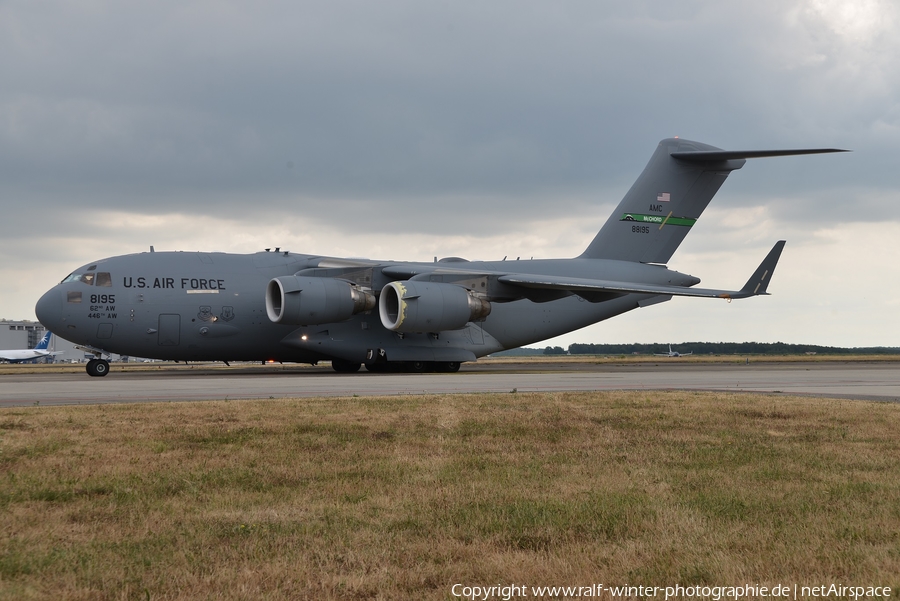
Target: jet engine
305 301
429 307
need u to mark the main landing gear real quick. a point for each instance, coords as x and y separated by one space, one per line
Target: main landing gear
414 367
97 367
344 367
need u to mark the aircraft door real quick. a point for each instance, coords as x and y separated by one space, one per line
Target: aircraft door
105 331
169 329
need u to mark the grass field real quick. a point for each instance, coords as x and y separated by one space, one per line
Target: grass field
402 497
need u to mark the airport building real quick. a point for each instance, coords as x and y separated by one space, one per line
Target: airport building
25 334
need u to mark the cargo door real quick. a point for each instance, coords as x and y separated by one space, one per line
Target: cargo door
169 329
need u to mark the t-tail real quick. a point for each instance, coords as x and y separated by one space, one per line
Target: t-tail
668 198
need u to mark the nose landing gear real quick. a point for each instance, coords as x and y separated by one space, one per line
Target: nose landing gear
97 367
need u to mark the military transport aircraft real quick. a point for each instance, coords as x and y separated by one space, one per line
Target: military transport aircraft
394 315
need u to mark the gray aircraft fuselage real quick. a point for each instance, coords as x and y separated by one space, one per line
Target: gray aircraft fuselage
192 306
281 306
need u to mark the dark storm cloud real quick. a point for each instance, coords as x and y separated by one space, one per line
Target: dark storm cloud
290 105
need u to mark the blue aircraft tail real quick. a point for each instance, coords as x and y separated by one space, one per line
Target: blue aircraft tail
44 343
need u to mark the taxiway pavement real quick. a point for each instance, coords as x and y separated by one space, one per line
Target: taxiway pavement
876 381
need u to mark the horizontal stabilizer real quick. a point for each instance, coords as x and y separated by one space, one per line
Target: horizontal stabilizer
729 155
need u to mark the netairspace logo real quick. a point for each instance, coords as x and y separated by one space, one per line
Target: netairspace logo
715 593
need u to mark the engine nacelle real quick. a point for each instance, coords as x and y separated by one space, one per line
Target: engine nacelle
303 301
429 307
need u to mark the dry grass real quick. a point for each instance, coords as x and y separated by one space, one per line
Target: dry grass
400 497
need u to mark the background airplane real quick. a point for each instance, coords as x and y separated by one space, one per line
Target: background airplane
395 315
672 353
40 350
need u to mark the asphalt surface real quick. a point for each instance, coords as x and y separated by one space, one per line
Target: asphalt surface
867 381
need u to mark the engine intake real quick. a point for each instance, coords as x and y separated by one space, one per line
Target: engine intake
305 301
429 307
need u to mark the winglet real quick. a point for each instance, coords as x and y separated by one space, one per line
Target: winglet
759 281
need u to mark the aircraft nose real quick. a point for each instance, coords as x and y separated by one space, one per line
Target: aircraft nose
49 309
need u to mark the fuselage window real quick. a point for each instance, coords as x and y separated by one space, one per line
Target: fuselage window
73 297
103 279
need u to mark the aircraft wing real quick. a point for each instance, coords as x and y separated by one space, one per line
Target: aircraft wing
756 285
584 285
410 270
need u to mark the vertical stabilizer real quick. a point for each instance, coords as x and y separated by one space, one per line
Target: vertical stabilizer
662 205
44 342
668 198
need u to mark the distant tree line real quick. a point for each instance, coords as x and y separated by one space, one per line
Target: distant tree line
700 348
555 350
723 348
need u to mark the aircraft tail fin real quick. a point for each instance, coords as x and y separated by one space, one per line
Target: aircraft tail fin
668 197
44 343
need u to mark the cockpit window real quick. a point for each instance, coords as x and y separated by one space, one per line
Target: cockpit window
104 279
87 278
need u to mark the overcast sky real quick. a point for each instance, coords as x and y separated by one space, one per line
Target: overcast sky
408 130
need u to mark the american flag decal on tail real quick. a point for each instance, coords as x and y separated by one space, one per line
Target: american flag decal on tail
663 197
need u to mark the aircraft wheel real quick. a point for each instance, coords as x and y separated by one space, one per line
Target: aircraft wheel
344 367
376 367
448 367
97 367
416 367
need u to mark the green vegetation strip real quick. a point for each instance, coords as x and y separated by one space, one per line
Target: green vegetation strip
401 497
